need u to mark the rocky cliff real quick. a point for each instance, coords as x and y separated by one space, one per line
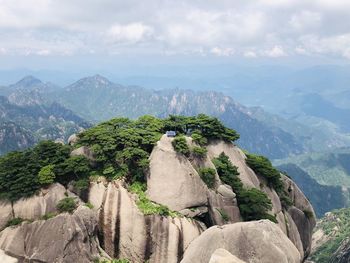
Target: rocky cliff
177 217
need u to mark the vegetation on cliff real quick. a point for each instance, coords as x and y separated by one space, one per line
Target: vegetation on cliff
253 204
333 229
121 149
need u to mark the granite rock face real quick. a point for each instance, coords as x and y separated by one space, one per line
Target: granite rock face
208 226
256 241
173 172
64 238
127 233
223 256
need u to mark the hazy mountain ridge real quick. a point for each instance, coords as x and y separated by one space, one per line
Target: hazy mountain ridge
26 117
323 198
96 98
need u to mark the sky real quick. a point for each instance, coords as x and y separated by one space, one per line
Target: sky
49 33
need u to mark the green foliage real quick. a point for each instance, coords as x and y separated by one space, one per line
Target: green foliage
121 148
228 172
208 127
199 152
180 145
89 205
199 139
19 170
263 167
309 214
48 216
253 203
67 204
336 227
46 175
146 206
208 176
82 184
14 221
224 215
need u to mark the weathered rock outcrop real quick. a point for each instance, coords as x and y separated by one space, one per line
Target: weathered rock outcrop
301 212
223 256
6 213
257 241
44 202
73 139
127 233
38 205
174 172
84 151
7 259
64 238
342 255
237 158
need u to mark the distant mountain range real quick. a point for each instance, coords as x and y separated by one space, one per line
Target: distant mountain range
323 198
94 99
25 117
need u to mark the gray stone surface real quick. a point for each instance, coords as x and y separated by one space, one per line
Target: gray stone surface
65 238
256 241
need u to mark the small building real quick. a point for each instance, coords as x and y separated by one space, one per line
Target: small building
170 133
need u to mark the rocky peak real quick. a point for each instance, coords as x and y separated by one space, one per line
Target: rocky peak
28 82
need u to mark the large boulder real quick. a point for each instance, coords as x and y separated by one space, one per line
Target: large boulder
223 208
6 258
6 213
237 157
172 180
127 233
256 241
84 151
302 213
73 139
40 204
65 238
223 256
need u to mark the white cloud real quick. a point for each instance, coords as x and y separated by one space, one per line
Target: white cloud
272 28
130 33
222 51
249 54
275 52
305 20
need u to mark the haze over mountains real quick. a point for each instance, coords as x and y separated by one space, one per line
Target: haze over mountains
32 110
96 99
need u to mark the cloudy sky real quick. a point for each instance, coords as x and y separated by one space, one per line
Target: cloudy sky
224 28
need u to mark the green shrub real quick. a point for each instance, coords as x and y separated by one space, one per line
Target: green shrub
146 206
180 145
199 152
14 221
228 173
48 216
263 167
309 214
199 139
46 175
208 176
67 204
254 204
224 215
89 205
82 184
